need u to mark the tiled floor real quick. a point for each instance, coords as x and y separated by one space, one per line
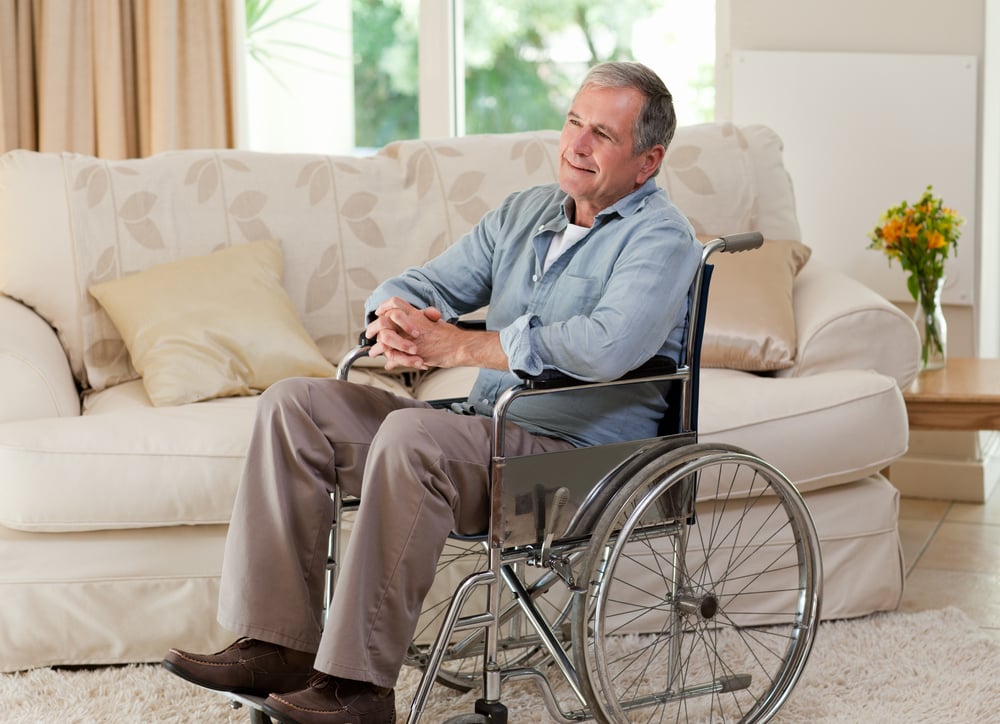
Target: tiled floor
952 553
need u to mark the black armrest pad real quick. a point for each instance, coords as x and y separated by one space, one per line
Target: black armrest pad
364 341
550 379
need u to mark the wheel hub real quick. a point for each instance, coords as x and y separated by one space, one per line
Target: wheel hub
703 605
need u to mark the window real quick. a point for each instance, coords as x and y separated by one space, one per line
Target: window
524 59
299 83
342 77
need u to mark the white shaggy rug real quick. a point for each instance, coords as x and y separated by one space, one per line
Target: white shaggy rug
930 666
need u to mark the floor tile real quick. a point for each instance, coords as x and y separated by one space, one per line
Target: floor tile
987 513
914 535
919 509
963 547
977 594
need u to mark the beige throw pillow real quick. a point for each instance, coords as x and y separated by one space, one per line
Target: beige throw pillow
218 325
750 323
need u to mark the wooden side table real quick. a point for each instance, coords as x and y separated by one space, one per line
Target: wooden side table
965 395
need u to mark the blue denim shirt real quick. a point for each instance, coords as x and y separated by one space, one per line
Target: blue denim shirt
608 303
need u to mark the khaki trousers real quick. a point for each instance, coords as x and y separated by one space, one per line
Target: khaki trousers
420 473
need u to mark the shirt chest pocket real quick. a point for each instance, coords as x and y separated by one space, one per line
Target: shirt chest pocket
573 295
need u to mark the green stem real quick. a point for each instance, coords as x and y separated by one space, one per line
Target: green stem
928 300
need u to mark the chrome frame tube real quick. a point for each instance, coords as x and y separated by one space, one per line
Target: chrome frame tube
452 622
538 622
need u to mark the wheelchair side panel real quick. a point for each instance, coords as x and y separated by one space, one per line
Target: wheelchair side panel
529 484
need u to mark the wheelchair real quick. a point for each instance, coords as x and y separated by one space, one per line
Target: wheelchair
642 581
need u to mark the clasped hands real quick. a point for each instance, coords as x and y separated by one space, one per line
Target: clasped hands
410 337
420 339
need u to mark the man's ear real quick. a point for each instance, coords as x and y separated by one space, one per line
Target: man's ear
651 160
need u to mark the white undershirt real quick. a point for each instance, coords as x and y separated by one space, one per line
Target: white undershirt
562 241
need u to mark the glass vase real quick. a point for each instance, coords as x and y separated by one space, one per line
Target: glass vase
931 324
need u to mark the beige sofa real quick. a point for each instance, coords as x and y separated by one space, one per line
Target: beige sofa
113 510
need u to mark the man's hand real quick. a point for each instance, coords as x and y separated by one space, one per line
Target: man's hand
418 338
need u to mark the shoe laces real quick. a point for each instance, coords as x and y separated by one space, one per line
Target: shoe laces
319 680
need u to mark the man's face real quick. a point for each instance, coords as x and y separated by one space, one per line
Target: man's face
596 163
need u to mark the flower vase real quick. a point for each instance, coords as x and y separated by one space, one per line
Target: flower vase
931 324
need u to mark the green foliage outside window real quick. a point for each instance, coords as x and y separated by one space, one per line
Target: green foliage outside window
513 82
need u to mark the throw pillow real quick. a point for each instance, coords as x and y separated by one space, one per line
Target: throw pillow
750 323
218 325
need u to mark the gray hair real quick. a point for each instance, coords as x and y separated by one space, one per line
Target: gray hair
657 121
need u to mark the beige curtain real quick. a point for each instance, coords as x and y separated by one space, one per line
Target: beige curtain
118 78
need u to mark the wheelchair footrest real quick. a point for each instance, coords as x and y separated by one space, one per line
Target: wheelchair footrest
736 682
254 703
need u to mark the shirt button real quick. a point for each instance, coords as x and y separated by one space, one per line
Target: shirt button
534 278
486 402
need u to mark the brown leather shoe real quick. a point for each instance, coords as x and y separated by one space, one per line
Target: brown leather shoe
247 666
332 700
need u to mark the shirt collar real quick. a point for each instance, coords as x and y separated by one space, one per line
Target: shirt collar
634 202
625 206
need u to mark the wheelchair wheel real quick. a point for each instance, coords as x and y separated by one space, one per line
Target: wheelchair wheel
701 611
462 665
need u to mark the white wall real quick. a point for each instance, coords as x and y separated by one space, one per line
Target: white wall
893 26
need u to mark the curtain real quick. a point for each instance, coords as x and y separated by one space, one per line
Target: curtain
118 78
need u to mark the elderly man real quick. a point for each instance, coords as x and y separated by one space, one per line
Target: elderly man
588 276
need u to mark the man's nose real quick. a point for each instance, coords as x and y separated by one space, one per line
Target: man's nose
583 143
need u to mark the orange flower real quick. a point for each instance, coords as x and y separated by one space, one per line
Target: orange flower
936 240
912 230
892 231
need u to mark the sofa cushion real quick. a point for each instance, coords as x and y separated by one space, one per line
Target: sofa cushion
127 464
822 430
774 213
750 321
709 174
138 466
212 326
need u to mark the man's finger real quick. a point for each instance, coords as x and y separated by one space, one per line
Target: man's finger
391 339
403 320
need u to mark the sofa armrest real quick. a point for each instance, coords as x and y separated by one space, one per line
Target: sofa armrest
842 324
35 378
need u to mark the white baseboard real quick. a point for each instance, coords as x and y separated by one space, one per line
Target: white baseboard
965 478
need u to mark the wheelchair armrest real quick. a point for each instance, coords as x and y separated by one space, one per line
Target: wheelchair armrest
554 379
